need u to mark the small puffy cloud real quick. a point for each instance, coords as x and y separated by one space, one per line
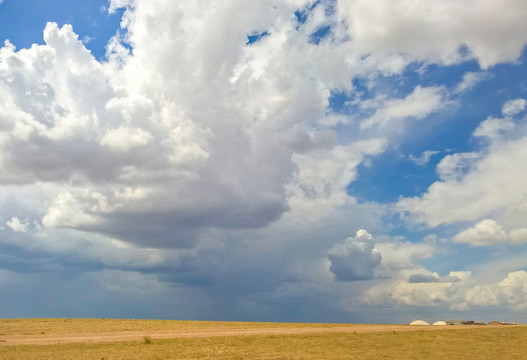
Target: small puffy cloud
513 107
487 232
355 259
424 158
16 225
470 79
497 128
420 103
87 39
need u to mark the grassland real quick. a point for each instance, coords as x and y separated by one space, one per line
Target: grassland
96 326
506 342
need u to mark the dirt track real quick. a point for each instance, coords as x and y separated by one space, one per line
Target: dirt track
44 339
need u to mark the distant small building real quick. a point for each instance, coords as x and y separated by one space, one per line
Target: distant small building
495 323
440 323
472 322
502 323
454 322
419 322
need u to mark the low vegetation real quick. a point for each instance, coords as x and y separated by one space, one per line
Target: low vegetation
506 342
94 326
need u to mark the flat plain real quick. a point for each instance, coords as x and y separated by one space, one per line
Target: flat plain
166 339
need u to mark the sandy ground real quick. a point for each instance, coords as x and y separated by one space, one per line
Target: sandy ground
44 339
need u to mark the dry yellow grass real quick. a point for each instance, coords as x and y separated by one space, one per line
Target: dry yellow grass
94 326
472 343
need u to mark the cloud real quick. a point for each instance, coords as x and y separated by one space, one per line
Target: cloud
422 278
424 158
86 110
470 79
448 32
355 259
124 139
218 141
398 255
86 39
433 278
518 236
493 129
470 182
189 157
16 225
422 294
322 176
420 103
486 232
511 291
364 257
489 232
455 166
514 107
116 4
462 294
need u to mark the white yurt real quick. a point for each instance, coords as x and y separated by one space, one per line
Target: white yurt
419 322
441 322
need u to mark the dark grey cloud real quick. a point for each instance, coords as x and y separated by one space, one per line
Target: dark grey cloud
355 259
424 278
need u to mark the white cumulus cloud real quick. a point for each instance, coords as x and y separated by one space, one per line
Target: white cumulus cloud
511 291
484 233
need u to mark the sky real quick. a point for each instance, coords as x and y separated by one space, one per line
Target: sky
280 160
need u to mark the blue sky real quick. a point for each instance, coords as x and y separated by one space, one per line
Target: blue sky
23 22
348 161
